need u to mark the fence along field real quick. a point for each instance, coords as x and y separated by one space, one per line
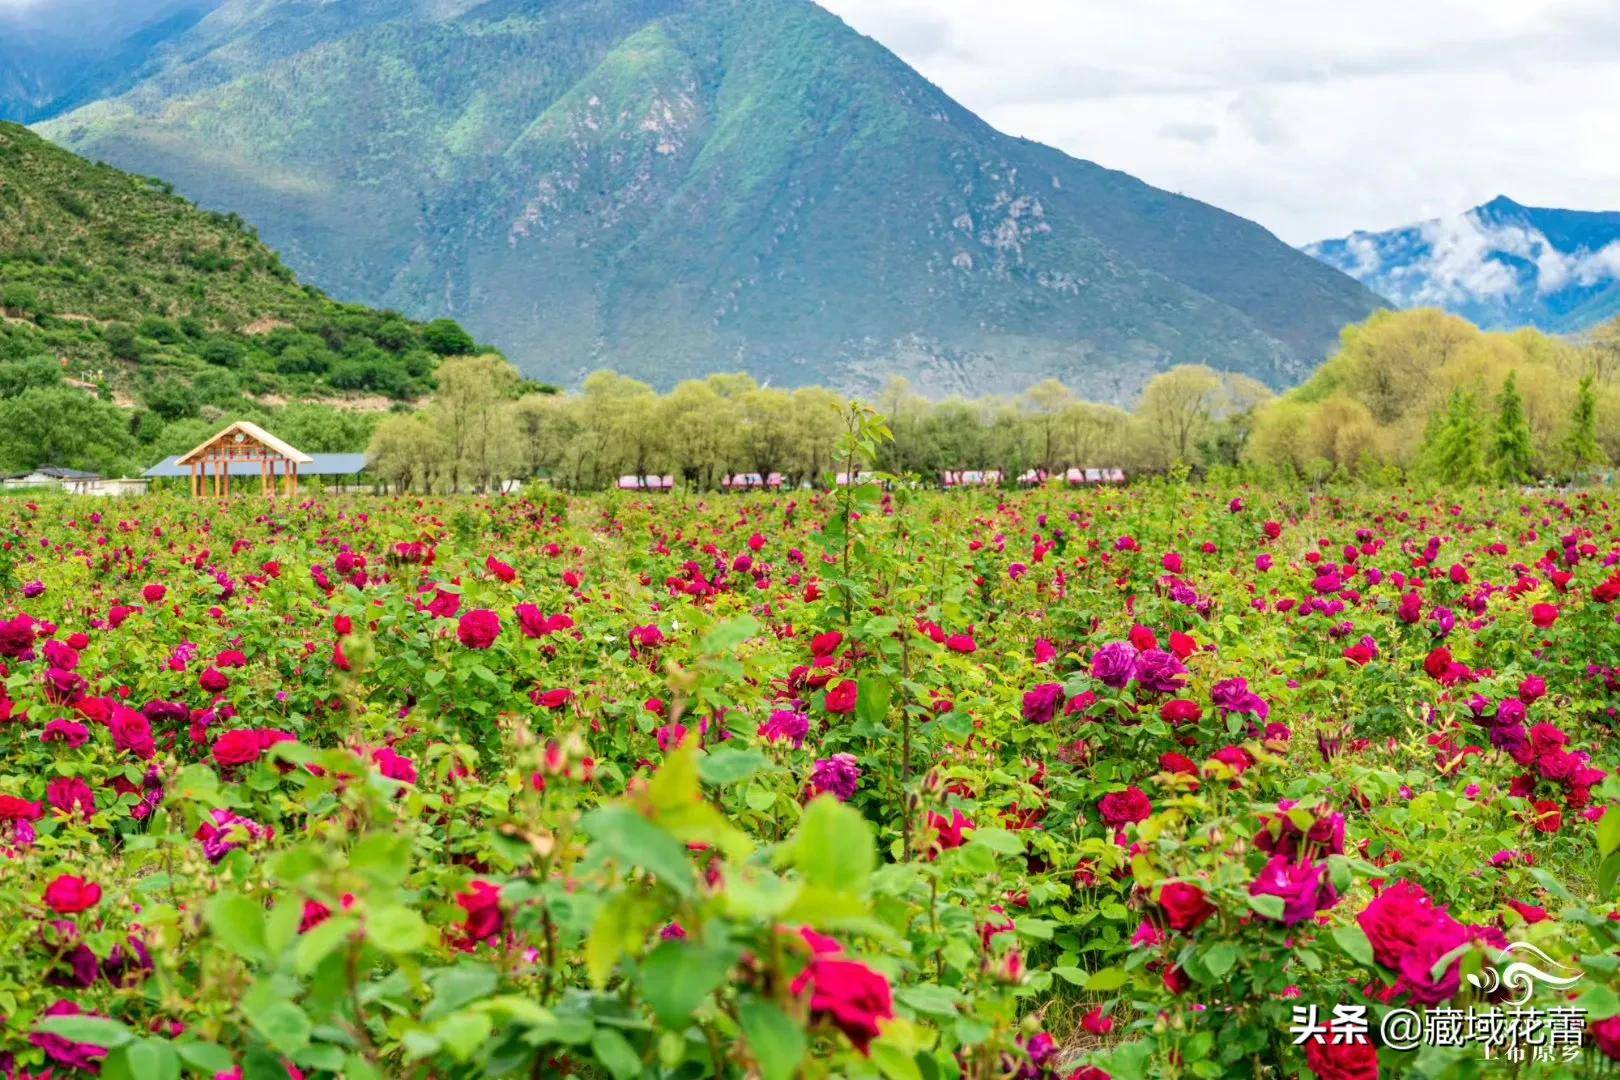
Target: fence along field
1060 782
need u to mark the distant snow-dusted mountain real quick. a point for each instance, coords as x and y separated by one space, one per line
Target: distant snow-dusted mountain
1502 265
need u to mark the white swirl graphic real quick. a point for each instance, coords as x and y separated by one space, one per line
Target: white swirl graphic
1521 977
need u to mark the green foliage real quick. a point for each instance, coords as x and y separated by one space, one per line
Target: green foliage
444 337
134 285
1511 450
56 425
1581 449
1378 402
1451 452
364 803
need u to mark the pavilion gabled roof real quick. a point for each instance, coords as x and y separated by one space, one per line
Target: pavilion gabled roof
254 432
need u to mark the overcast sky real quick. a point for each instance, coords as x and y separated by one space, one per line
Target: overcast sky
1312 118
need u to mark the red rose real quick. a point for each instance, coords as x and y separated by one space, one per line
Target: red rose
132 731
532 621
842 698
1396 919
1172 762
482 903
952 832
1544 615
1119 808
1606 1037
1180 711
479 629
244 746
237 748
1342 1061
500 569
1549 818
68 895
154 594
850 995
213 680
15 809
826 644
1185 906
553 699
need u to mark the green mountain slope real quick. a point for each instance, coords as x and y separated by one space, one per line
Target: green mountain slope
670 187
122 284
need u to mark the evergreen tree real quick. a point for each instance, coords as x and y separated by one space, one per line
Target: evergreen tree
1581 447
1452 453
1510 443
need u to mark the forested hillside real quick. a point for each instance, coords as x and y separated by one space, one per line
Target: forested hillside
116 291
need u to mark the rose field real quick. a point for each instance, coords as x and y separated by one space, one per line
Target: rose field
866 782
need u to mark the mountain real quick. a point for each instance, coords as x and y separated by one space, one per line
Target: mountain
121 285
57 54
673 187
1501 265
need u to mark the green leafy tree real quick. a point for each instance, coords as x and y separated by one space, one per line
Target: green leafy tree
171 399
1511 443
20 298
121 342
27 374
447 338
57 425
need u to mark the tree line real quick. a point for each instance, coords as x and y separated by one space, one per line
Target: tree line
1416 394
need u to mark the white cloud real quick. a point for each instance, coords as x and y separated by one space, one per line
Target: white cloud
1470 259
1459 266
1313 118
1364 252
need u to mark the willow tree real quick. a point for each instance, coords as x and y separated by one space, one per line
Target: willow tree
765 429
470 409
408 453
699 428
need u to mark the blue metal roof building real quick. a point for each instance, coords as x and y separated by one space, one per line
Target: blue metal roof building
321 465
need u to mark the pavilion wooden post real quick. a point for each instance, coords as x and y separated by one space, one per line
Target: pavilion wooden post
210 465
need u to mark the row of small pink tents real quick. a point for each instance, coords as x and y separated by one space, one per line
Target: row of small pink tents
950 479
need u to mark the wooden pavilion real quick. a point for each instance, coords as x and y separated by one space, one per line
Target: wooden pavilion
243 444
